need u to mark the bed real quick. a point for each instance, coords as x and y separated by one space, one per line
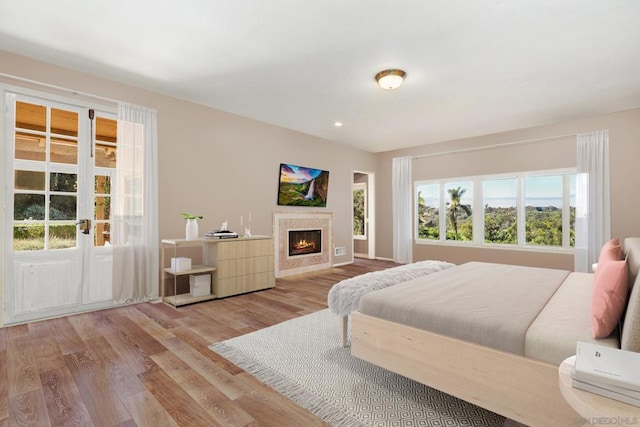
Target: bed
491 334
344 297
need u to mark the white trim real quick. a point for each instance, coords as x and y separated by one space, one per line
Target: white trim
478 206
504 246
65 90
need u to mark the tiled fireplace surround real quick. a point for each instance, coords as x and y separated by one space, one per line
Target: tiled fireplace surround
286 265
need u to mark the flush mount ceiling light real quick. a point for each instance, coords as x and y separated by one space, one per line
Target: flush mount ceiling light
390 79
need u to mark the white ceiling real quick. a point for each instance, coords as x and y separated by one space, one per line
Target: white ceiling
473 67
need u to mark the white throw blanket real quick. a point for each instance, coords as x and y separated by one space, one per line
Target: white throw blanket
344 296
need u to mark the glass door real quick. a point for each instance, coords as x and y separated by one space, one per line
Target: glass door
60 163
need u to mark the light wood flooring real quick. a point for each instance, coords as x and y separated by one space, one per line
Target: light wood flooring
149 364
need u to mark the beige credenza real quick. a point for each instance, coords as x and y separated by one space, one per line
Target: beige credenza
242 265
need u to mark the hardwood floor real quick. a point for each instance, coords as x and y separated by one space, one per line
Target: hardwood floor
149 364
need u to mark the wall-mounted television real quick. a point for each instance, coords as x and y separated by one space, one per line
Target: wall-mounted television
302 186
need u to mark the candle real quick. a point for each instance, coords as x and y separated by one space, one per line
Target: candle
241 222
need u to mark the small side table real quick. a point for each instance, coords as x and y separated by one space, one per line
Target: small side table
595 409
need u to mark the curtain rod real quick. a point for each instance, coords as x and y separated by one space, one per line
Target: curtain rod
60 88
486 147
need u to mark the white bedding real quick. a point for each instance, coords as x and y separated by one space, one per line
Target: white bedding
344 297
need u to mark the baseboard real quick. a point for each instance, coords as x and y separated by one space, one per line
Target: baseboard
343 263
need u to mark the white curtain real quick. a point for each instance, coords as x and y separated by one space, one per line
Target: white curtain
402 191
134 234
593 212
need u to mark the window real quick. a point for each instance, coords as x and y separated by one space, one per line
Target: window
428 197
535 209
459 201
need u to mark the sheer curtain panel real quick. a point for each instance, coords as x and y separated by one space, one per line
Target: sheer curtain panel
402 192
135 218
593 212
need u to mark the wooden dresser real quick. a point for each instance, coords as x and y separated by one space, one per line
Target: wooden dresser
242 265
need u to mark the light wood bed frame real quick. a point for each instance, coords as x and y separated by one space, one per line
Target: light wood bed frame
520 388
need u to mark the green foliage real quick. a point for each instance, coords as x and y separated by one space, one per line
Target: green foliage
190 216
30 237
29 231
500 225
428 221
543 225
358 213
456 213
294 194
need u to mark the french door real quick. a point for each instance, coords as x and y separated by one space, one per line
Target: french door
61 160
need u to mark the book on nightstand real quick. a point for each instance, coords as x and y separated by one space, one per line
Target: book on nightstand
607 371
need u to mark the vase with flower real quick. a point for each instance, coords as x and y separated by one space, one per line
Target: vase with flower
192 225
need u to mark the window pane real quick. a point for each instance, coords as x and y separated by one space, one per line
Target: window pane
67 182
103 184
543 209
64 122
28 237
106 129
358 212
64 151
62 236
105 156
30 147
29 180
102 208
101 234
62 207
429 211
459 210
500 215
28 207
30 116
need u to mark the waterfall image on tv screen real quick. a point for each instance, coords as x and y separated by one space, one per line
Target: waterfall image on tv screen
302 186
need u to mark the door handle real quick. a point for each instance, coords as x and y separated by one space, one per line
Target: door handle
85 225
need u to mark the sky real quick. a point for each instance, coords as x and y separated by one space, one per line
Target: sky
539 191
297 174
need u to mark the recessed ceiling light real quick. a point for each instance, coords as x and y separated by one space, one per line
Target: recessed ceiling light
338 124
390 79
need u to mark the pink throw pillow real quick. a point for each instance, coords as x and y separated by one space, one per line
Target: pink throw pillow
610 293
611 251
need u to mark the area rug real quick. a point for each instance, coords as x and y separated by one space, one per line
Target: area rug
302 359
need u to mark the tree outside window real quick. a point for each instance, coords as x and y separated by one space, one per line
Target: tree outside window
459 211
428 211
359 210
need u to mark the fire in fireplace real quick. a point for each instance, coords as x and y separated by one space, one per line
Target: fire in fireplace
304 242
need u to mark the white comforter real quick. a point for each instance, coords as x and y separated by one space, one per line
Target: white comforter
344 297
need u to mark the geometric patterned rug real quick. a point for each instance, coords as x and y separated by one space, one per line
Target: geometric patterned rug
302 359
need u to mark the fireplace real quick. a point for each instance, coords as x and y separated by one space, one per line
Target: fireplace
305 242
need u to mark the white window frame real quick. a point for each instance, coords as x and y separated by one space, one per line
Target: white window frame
478 211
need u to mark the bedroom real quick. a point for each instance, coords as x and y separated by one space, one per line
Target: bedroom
200 147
